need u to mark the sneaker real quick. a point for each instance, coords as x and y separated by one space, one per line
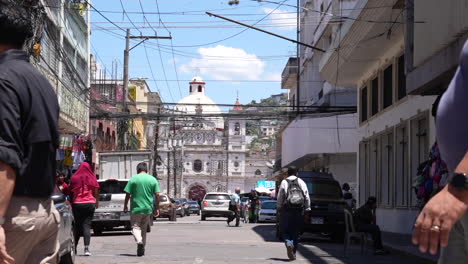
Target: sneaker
140 250
86 252
290 250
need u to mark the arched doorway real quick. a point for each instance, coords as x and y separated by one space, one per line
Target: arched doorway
196 192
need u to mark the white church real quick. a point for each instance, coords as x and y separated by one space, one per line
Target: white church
209 150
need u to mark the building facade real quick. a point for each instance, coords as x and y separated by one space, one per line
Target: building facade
199 150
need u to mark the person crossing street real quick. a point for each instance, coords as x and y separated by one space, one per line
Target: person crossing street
234 207
143 191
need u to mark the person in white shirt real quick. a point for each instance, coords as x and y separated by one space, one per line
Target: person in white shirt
234 206
293 199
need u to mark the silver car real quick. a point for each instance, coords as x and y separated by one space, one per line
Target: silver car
215 204
110 213
267 212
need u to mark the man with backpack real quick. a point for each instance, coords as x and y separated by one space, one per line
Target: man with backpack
234 207
293 199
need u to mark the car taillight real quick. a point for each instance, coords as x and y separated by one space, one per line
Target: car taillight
205 203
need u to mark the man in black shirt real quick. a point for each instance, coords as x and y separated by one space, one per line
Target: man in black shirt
29 113
366 222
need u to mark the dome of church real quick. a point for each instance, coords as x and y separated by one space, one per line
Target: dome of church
189 104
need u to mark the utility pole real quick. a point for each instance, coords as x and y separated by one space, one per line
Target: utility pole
126 65
174 158
168 173
156 141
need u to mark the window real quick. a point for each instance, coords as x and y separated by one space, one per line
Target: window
363 102
258 172
363 171
320 94
374 166
401 77
375 96
387 170
200 89
237 129
419 146
401 172
388 87
112 186
197 166
236 164
190 88
217 196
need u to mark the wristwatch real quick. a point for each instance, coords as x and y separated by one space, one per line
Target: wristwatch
460 181
2 220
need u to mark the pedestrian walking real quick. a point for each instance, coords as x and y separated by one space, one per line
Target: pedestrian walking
443 222
85 200
141 190
255 205
293 199
28 140
234 207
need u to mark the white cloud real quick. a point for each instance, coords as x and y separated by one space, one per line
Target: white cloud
281 18
226 63
272 76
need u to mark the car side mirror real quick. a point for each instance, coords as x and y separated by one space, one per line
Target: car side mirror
58 198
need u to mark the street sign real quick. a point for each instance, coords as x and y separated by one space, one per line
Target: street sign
266 184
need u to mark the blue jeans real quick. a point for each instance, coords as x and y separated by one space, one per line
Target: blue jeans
291 223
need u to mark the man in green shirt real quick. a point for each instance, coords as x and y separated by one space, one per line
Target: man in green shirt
142 189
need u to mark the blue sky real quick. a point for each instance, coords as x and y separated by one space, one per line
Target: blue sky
241 63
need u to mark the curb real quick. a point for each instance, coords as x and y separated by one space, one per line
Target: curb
426 258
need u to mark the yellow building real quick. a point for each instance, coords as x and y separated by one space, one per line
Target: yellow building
139 91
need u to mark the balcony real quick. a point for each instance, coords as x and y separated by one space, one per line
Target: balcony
325 135
289 75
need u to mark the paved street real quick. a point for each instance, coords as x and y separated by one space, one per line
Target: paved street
190 240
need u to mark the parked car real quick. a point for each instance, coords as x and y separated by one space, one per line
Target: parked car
215 204
267 212
165 207
179 207
184 202
67 222
327 205
110 213
193 207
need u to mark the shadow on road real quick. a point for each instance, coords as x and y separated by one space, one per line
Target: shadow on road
267 232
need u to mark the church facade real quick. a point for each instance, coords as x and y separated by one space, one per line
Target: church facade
200 150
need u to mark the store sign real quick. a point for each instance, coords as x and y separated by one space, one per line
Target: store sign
266 184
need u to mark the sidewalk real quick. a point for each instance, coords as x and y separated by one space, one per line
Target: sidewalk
402 244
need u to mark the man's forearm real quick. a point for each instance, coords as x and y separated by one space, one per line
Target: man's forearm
156 198
127 198
7 183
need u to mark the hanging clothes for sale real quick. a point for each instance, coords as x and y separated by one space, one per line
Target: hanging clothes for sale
68 159
66 142
78 158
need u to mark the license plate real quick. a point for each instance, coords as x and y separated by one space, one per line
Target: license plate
317 221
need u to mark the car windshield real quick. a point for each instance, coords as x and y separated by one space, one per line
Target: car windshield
245 199
163 198
217 197
263 198
193 203
112 187
177 202
269 205
324 189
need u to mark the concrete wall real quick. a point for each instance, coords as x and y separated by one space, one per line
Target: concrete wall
444 21
396 220
403 110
